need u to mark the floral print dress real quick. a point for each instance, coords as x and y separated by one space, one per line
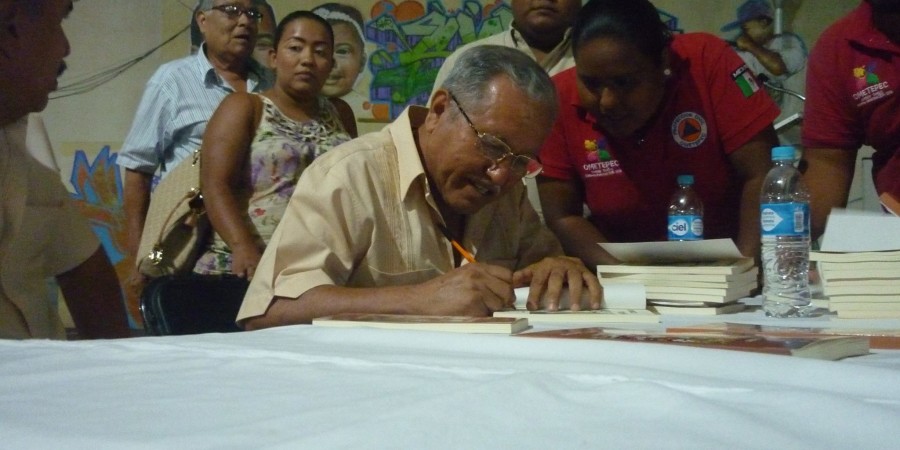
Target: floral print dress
279 152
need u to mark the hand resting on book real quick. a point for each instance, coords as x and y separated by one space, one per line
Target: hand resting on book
552 278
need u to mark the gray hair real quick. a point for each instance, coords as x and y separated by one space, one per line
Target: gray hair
476 67
204 5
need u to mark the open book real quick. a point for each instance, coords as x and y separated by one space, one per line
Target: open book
829 348
459 324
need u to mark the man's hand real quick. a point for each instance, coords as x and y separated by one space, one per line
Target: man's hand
744 42
471 290
547 278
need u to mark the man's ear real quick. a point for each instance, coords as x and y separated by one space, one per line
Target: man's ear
439 103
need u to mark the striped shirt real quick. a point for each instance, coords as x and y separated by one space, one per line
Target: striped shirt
178 101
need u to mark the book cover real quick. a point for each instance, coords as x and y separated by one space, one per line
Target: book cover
871 298
722 266
741 290
864 306
712 310
459 324
880 339
683 279
599 316
854 257
682 297
829 348
831 289
866 314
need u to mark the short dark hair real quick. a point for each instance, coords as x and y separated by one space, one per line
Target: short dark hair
634 21
298 15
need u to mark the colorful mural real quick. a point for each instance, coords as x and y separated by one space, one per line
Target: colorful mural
97 190
414 39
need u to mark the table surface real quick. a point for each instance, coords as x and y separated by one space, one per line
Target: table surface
316 387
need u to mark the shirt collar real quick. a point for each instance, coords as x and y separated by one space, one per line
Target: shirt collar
519 41
257 76
410 164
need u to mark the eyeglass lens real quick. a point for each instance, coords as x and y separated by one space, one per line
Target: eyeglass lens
235 11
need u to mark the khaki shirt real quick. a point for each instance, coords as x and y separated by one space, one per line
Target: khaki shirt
362 215
42 235
558 60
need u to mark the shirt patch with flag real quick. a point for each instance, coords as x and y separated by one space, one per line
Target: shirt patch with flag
745 80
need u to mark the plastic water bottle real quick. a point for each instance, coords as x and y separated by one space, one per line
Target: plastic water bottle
784 220
685 212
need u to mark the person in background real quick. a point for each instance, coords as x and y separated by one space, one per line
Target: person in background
178 101
41 232
373 223
349 47
639 108
250 168
265 34
854 87
775 59
541 29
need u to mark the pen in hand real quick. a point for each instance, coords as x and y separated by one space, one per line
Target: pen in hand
462 251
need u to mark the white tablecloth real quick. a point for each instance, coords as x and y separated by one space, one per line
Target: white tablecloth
311 387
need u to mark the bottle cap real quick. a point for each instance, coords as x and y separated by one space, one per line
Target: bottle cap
784 152
685 179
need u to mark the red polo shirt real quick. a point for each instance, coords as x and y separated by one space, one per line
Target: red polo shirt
853 86
712 107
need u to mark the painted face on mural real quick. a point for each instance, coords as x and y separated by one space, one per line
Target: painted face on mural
265 37
226 35
35 49
349 57
465 178
618 85
303 58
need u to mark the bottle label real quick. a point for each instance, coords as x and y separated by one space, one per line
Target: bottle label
784 219
685 228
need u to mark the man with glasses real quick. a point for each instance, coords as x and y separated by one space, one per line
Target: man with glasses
428 216
178 101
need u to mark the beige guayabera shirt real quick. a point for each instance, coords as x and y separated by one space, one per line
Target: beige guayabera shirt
362 215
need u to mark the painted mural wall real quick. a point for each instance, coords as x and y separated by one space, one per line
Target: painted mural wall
389 53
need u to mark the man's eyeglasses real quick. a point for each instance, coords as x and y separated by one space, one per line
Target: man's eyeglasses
498 151
235 11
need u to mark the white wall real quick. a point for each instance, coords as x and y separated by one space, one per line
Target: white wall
102 34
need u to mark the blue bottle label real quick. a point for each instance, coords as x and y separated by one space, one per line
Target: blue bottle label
784 219
685 228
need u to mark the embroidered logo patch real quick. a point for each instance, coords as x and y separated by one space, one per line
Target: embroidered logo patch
596 150
869 86
598 160
745 80
689 129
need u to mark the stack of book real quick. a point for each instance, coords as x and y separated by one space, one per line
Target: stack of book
692 288
860 285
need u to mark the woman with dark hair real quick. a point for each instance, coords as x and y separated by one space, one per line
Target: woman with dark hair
640 107
256 147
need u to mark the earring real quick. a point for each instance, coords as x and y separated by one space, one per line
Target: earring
667 72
